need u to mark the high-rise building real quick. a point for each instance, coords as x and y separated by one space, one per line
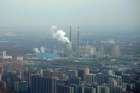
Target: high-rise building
90 90
103 89
74 80
10 78
65 89
79 89
42 85
90 78
115 89
21 87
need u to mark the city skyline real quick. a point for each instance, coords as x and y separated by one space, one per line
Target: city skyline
69 46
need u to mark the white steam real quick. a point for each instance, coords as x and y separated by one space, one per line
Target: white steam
39 50
36 50
42 49
60 35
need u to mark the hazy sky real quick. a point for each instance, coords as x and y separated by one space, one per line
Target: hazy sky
61 12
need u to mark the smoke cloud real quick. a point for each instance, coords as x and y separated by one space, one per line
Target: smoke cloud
60 35
36 50
42 49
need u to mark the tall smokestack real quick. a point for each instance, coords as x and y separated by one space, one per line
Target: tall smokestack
4 53
78 36
78 39
70 33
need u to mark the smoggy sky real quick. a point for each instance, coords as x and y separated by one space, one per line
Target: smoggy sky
60 12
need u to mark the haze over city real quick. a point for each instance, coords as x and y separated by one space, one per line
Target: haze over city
69 46
20 13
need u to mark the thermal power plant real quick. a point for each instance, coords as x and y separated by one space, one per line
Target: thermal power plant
41 54
70 44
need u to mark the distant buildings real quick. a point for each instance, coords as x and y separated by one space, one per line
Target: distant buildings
115 51
94 71
5 56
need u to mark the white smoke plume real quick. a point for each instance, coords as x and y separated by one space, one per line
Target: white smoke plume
42 49
60 35
36 50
